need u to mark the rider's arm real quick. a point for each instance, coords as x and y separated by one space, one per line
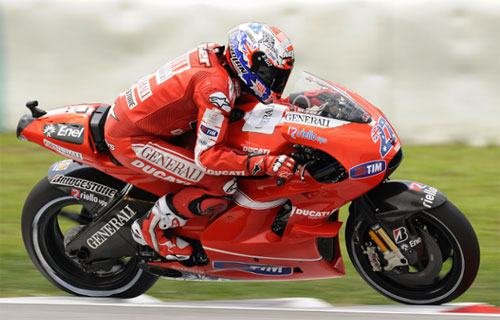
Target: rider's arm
215 102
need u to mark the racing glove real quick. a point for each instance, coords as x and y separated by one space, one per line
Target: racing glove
281 166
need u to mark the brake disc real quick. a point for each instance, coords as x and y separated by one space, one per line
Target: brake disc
429 273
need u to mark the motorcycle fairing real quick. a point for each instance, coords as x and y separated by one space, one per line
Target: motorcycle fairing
308 244
108 236
396 199
94 188
241 243
115 206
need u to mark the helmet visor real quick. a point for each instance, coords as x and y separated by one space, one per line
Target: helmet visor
272 77
280 80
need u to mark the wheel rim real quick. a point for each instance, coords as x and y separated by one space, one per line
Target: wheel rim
405 288
49 227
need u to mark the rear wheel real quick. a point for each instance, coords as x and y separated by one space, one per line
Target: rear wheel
51 218
447 265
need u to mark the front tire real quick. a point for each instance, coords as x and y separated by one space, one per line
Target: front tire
450 245
49 217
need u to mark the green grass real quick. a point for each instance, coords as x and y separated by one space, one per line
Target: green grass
469 176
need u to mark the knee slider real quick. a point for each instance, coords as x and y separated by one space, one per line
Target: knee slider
209 205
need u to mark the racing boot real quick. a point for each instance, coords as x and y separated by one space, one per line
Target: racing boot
150 230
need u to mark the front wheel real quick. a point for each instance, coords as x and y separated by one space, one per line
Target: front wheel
447 265
51 217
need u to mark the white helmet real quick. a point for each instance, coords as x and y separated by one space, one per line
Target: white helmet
262 57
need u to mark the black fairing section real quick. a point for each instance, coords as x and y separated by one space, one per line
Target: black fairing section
406 196
108 236
112 205
398 199
94 188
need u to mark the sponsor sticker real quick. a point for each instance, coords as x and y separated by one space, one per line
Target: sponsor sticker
313 120
62 150
144 89
429 192
295 133
256 150
203 54
417 186
61 165
235 61
400 234
67 132
87 185
416 242
129 96
111 227
225 172
430 196
405 247
259 269
208 131
367 169
311 214
264 118
75 193
382 133
167 160
157 172
87 196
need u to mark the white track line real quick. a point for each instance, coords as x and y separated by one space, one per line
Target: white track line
283 304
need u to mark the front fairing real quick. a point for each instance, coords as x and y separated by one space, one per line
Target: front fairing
346 145
322 98
343 125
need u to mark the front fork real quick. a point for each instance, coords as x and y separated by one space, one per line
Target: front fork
394 256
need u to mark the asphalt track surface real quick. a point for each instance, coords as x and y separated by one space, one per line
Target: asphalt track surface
145 307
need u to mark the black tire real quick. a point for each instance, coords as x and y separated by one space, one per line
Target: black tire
447 236
44 225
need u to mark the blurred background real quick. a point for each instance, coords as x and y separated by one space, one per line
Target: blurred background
432 66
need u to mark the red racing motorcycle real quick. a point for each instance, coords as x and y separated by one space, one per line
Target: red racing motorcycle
405 238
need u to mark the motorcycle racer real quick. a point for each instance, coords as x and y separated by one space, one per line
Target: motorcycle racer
196 92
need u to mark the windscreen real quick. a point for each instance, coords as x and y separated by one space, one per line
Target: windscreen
322 98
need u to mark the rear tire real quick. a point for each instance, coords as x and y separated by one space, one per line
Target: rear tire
450 239
45 224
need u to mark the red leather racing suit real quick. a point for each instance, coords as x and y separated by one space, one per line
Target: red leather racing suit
191 92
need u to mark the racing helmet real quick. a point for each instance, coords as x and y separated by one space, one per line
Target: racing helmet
262 58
